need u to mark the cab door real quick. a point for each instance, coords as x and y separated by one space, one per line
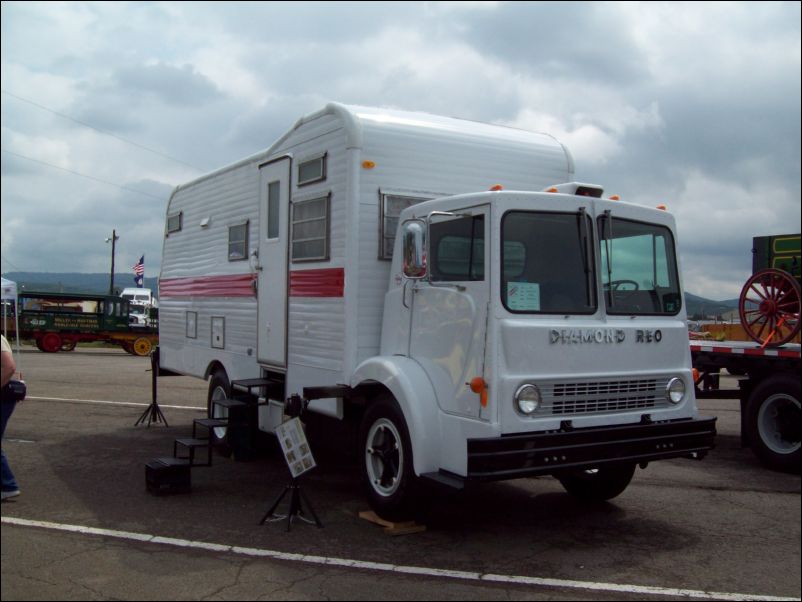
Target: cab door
449 309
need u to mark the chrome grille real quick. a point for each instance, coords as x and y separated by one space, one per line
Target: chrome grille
596 396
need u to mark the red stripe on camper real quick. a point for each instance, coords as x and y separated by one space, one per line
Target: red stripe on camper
240 285
317 283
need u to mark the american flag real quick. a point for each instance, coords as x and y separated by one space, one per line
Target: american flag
139 271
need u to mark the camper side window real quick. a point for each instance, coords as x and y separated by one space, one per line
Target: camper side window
238 242
310 230
313 170
391 207
174 222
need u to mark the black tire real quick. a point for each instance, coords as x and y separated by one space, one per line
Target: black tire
773 422
598 484
219 388
386 465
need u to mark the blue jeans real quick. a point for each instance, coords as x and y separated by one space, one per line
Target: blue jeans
9 482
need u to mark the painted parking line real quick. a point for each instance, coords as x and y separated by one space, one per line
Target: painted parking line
638 590
130 404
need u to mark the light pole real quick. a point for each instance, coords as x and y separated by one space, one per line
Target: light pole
114 238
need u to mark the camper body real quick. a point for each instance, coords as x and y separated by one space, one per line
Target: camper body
465 336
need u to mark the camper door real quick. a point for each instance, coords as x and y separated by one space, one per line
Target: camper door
274 206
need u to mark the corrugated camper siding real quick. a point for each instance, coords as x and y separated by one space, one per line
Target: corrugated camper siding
439 158
226 199
317 326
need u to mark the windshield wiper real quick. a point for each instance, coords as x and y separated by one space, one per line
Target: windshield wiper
608 246
586 256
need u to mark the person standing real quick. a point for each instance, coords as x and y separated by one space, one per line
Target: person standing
7 369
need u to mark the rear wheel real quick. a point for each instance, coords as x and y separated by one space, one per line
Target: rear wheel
773 421
142 346
219 389
51 342
387 472
598 484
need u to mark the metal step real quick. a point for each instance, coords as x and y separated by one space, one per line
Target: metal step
192 444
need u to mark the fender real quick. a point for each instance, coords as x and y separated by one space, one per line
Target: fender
412 389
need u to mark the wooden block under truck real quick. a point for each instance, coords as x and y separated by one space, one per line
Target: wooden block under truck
452 336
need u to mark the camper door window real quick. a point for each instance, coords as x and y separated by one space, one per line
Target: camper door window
238 242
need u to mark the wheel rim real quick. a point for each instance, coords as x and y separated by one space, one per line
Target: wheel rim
769 307
51 343
775 422
384 457
142 346
219 412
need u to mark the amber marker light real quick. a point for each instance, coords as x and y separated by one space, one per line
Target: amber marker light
496 188
367 164
479 386
662 207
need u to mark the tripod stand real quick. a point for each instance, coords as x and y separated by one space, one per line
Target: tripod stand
296 507
153 413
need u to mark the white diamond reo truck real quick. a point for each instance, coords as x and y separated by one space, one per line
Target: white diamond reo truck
451 335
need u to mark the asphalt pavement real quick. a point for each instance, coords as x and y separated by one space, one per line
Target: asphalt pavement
86 528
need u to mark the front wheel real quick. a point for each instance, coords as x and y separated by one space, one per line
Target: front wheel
598 484
388 476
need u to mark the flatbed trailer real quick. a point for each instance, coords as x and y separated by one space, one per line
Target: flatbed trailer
768 390
59 321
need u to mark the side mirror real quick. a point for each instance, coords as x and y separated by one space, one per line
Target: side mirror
413 237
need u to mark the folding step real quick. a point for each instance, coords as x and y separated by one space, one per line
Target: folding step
168 475
228 403
207 423
192 444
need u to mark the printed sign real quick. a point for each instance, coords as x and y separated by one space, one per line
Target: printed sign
523 296
296 449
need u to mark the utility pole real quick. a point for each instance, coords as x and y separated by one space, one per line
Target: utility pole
114 238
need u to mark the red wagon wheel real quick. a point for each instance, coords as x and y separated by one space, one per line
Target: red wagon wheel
769 307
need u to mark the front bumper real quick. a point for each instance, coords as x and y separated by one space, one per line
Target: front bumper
531 454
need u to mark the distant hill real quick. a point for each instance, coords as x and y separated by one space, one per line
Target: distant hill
99 283
75 282
700 308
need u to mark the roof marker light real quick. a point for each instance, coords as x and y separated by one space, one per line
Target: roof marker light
368 164
662 207
497 187
614 197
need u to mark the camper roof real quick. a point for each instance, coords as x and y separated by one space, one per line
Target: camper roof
354 117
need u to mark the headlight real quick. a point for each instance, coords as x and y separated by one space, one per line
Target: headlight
675 390
527 399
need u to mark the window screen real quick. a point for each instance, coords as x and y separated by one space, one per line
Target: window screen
310 230
238 242
391 207
313 170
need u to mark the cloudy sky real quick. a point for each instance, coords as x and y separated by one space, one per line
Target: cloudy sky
107 106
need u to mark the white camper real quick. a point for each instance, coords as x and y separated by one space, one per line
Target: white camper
473 337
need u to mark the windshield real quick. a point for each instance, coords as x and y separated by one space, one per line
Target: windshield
547 265
639 268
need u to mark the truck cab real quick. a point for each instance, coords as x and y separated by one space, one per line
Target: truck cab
141 302
526 334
